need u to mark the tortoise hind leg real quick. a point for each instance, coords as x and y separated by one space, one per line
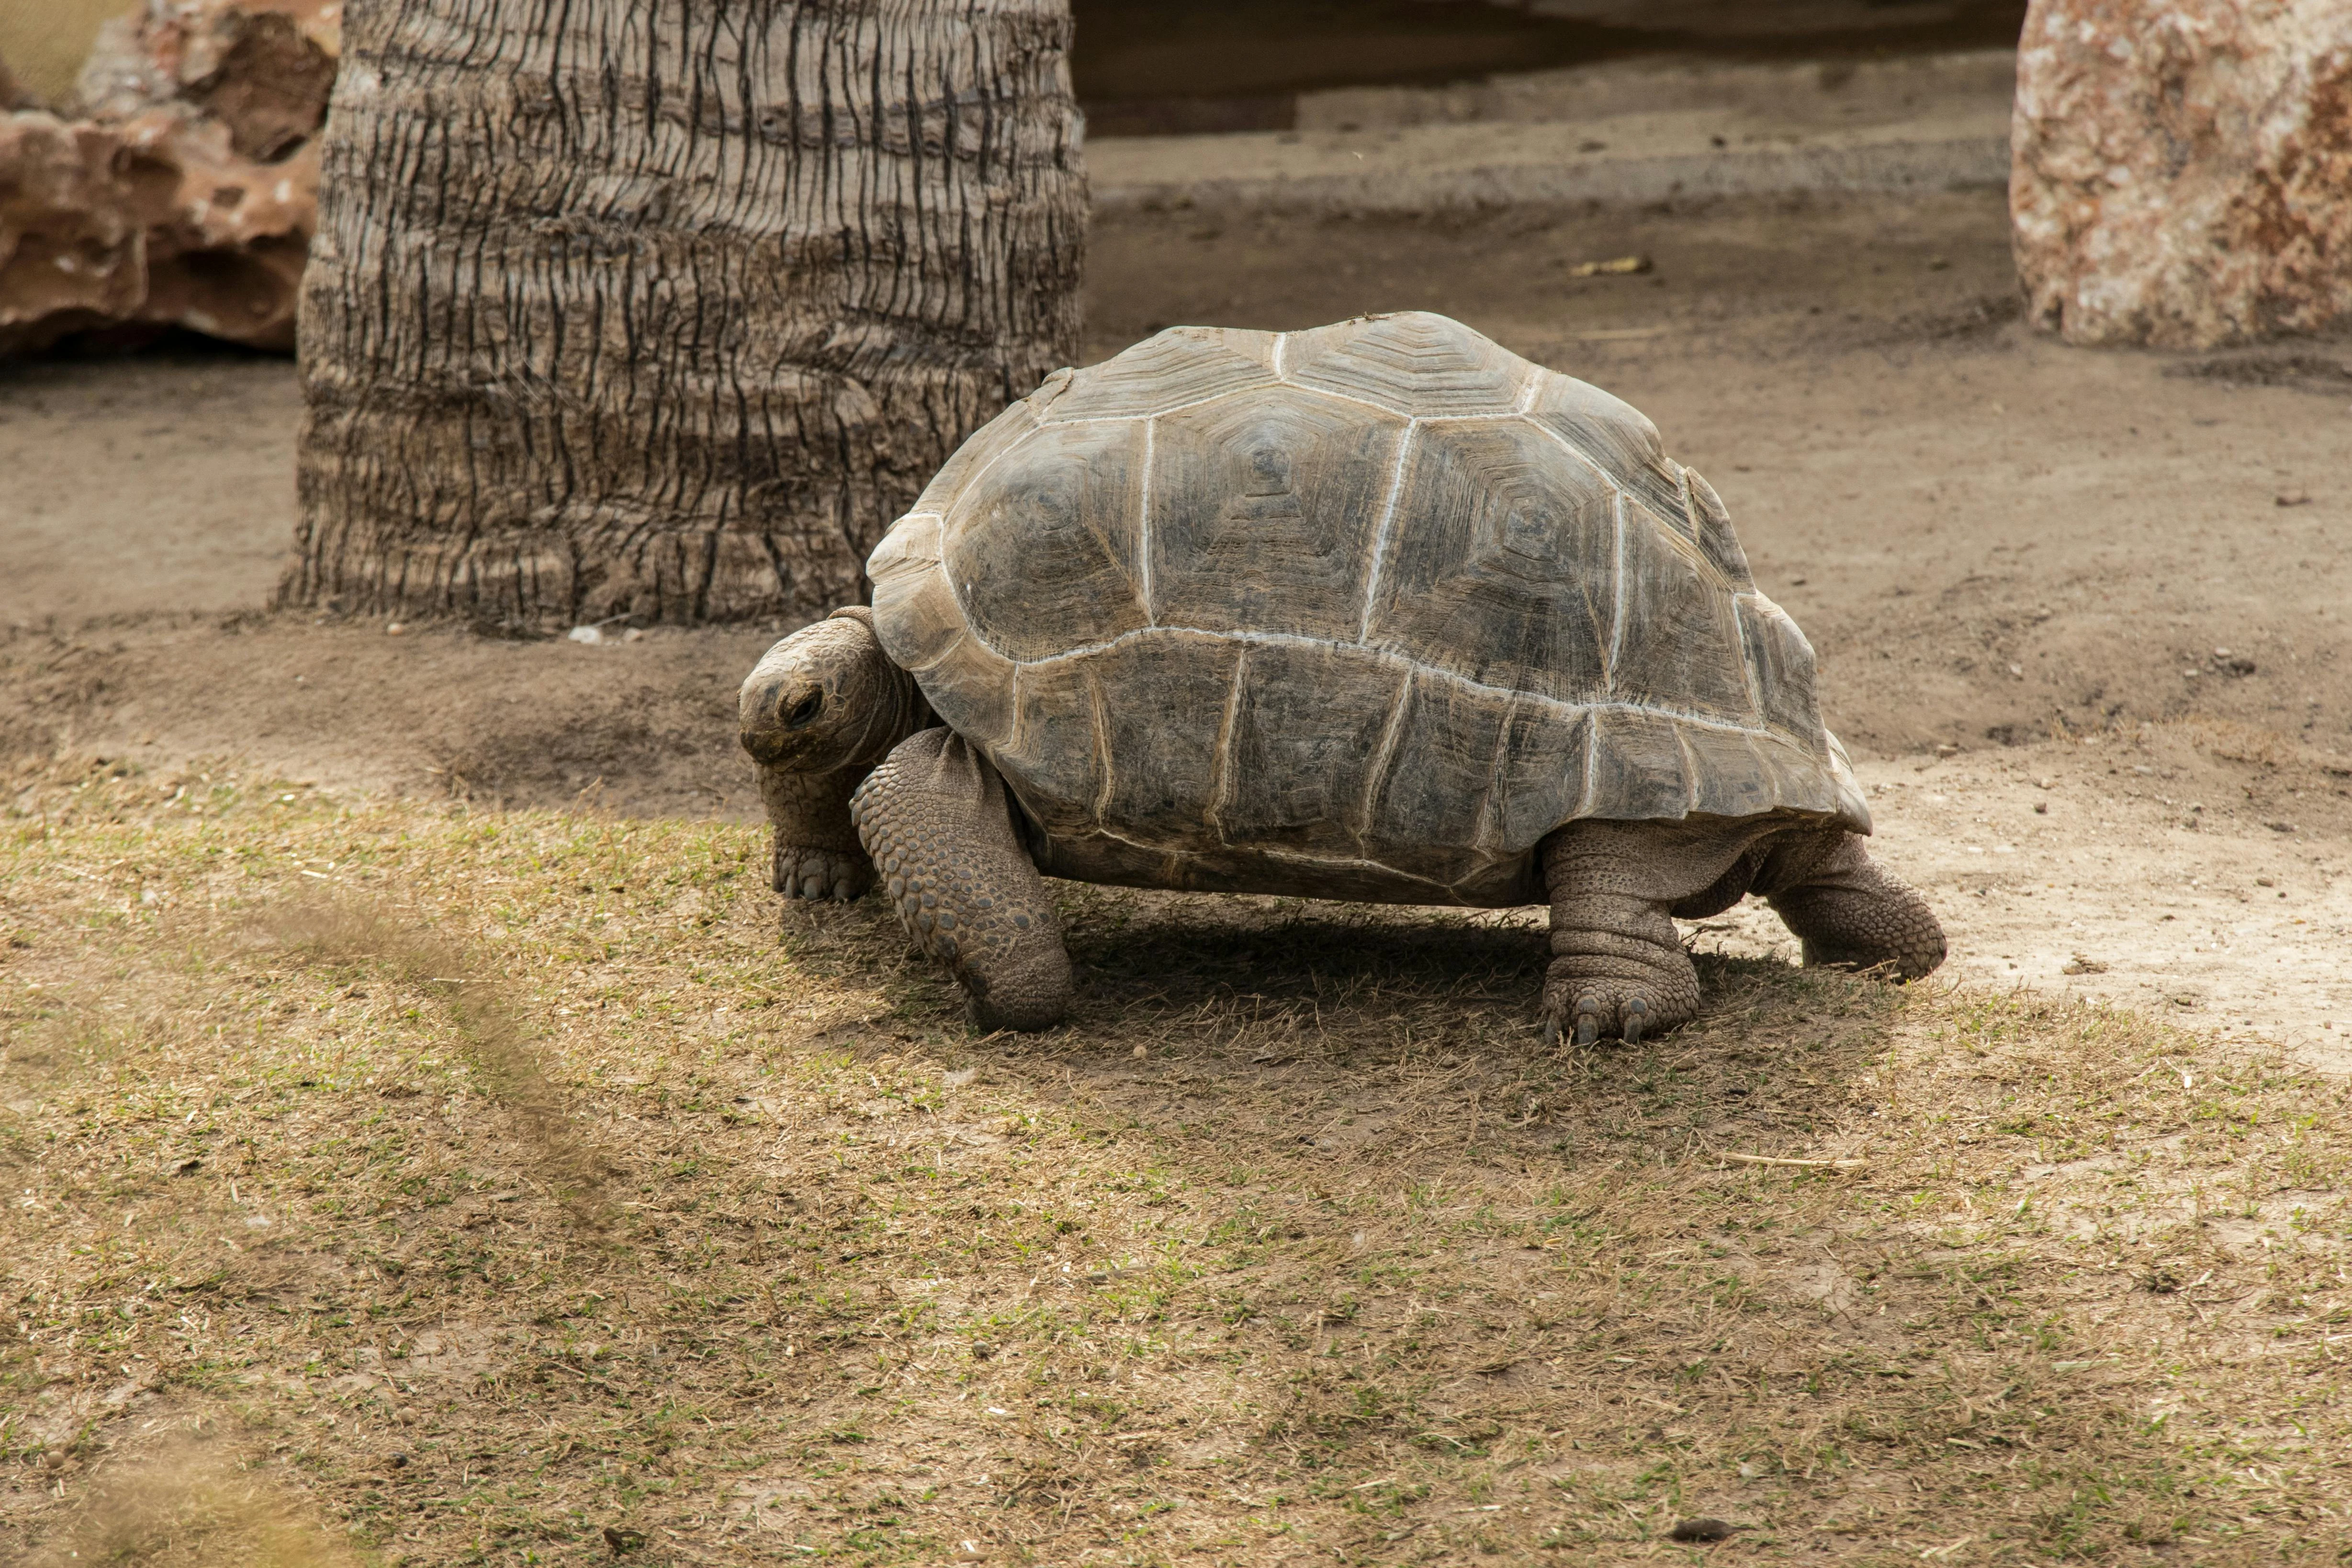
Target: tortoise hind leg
1618 966
1847 911
935 818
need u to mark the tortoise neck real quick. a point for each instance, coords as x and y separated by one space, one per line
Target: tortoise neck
891 703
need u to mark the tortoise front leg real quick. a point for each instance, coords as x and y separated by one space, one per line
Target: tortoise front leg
935 818
817 855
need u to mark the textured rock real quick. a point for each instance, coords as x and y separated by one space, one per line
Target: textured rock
2183 168
155 221
262 68
188 193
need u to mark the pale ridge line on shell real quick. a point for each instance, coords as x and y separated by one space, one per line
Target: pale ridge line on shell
1295 639
1143 518
1392 413
1220 790
1304 858
1131 843
1617 588
1103 758
1491 809
1747 664
1078 419
1600 469
1281 341
1527 398
1486 418
1692 773
1383 754
1592 778
1388 525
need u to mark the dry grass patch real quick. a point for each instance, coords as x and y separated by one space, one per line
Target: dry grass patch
182 1503
694 1229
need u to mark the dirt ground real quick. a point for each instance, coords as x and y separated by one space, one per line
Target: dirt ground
2078 614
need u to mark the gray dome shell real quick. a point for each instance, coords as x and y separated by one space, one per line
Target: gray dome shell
1363 612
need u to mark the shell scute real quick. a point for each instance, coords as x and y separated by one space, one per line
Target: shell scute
1487 580
973 681
1301 743
1264 512
1045 556
1181 365
1540 771
1160 755
1793 776
1617 438
1783 663
908 552
1639 769
1437 774
1714 536
1678 643
1051 761
1727 778
1412 362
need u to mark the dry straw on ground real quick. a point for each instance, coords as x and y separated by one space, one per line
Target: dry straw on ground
182 1503
696 1229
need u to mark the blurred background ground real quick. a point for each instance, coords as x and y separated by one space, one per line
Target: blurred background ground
1144 68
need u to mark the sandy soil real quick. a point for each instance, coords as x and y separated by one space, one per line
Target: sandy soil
2078 614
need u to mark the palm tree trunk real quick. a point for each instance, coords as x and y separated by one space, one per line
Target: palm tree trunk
665 309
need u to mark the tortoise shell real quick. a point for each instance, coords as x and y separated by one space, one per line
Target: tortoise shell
1363 612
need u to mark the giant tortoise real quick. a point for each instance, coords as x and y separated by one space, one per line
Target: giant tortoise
1378 611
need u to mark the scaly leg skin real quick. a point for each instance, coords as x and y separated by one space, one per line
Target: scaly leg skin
1847 912
817 855
935 818
1617 967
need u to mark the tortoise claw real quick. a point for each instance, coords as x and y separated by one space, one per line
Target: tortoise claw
1588 1020
1637 1016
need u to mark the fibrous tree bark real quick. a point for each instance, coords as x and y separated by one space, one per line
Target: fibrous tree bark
665 309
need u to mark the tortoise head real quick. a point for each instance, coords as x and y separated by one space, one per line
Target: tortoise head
828 696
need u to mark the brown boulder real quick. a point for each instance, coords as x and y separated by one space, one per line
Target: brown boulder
187 193
154 221
262 68
2182 169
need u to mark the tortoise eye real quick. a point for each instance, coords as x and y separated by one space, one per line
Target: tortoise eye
805 709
